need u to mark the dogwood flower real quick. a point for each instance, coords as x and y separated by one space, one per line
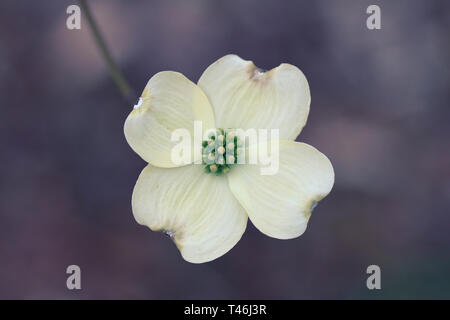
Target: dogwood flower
205 213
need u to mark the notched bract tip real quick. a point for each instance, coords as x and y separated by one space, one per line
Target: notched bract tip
139 103
311 209
258 74
168 233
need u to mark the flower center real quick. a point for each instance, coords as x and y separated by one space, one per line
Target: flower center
219 152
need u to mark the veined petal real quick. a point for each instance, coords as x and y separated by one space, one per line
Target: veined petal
244 96
280 205
169 101
196 209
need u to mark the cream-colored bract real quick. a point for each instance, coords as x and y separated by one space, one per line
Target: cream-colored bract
243 96
206 215
196 209
280 205
169 101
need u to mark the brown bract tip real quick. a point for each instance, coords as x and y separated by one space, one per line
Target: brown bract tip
257 74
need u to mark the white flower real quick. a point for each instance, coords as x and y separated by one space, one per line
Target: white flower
206 214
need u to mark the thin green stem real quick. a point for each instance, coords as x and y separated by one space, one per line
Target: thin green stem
114 70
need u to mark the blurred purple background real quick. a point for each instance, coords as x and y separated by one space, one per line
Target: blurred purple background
380 112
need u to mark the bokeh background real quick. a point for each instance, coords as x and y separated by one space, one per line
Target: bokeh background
380 112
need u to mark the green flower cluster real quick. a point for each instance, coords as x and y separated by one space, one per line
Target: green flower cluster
220 151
